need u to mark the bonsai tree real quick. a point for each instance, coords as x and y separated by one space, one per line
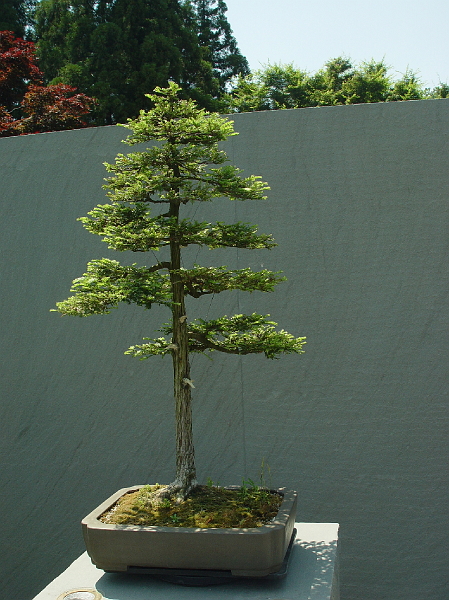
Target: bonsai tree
184 166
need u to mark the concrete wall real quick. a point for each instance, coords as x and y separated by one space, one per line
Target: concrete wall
358 425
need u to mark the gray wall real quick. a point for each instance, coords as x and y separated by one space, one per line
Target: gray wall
358 425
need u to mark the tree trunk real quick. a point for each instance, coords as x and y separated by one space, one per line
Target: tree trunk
185 455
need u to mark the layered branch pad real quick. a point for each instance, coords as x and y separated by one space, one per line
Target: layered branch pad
107 283
132 228
240 334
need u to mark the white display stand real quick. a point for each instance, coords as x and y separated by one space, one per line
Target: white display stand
312 575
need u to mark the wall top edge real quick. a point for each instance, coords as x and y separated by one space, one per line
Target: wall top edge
273 114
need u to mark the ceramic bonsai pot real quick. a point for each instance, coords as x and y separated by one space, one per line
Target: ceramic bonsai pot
243 552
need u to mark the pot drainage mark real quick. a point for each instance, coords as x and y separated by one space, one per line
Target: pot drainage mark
81 594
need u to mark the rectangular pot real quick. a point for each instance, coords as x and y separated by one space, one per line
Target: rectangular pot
245 552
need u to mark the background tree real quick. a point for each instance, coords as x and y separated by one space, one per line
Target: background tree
117 50
409 88
342 83
186 166
17 16
271 88
338 82
29 108
53 108
218 45
18 68
440 91
63 31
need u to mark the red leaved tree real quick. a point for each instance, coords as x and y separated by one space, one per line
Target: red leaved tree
18 69
53 108
25 106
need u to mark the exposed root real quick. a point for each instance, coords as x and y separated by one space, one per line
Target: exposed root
173 491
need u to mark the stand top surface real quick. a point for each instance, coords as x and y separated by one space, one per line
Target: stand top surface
311 575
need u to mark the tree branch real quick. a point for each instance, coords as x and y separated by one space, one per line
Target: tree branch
159 267
209 344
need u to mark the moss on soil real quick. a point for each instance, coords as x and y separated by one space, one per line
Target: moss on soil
206 506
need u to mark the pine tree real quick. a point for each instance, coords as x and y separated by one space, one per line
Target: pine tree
185 166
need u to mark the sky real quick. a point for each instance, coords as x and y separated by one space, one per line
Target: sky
406 34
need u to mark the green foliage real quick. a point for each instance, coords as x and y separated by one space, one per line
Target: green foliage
239 334
132 228
408 88
217 43
243 334
116 51
271 88
250 488
213 280
185 166
176 172
107 283
278 86
441 91
340 83
16 16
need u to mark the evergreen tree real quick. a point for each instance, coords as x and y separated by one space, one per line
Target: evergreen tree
15 16
410 88
339 82
186 166
275 86
441 91
117 50
217 42
63 31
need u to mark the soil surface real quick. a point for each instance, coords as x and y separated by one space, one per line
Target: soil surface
206 506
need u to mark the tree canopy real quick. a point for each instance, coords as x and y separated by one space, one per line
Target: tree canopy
26 106
18 68
117 50
278 86
217 43
186 166
16 16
